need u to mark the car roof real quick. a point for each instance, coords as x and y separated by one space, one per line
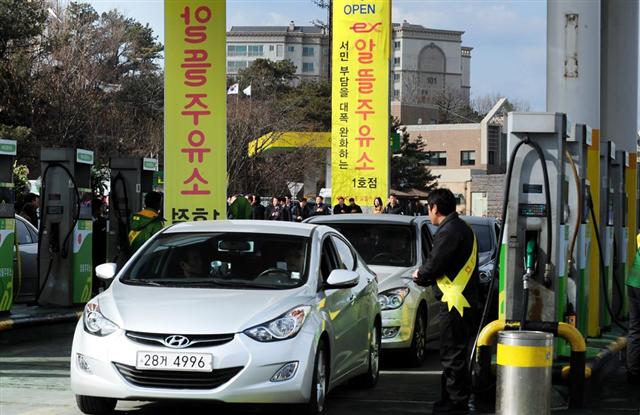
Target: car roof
478 220
244 226
363 218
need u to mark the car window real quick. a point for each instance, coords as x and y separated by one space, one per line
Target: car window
427 238
344 254
22 233
484 237
222 260
328 260
381 244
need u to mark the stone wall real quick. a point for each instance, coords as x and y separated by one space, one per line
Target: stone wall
493 185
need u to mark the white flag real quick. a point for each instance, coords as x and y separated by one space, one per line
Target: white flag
247 91
233 90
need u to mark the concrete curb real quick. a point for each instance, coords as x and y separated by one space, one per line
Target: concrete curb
31 321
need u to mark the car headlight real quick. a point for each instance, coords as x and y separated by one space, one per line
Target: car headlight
95 323
392 299
283 327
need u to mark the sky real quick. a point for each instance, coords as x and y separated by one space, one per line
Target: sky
508 36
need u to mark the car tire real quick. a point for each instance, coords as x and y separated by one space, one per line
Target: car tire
370 379
93 405
418 350
319 384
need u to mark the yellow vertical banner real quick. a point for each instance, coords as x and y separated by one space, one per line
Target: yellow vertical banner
195 133
361 48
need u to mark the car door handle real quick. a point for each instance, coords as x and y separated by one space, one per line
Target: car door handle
352 297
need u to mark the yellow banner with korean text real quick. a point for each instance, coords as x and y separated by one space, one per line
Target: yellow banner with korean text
195 133
360 100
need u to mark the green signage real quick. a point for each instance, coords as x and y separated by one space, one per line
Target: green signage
7 241
8 147
84 156
150 164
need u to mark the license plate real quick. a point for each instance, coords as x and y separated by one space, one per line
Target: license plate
195 362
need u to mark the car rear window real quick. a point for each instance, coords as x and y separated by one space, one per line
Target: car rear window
379 244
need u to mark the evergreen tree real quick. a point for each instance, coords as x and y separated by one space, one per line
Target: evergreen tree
409 166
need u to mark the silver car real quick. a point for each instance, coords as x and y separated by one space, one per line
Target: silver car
231 311
394 246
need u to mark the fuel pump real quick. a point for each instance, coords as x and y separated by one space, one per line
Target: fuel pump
620 231
65 243
533 271
7 224
577 216
131 179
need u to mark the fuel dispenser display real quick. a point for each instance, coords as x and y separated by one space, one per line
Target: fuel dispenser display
7 224
131 180
65 243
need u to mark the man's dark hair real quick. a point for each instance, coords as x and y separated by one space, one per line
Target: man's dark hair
444 199
153 200
351 200
304 199
30 198
282 199
256 199
321 198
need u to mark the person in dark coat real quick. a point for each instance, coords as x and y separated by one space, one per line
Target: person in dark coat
301 210
393 207
286 209
29 210
257 210
274 212
320 208
453 258
353 207
340 208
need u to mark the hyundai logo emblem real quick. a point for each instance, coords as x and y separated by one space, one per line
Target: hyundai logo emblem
177 341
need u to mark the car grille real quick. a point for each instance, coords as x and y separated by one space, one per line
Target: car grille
196 340
169 379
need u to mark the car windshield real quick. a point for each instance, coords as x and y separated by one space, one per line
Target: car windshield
378 244
221 260
483 234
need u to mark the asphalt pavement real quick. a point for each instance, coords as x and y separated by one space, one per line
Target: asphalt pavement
34 380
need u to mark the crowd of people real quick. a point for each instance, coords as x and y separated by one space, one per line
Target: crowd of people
286 209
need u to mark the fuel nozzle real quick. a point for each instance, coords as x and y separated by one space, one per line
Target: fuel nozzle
530 261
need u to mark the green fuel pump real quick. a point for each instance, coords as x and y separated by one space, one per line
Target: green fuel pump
131 179
65 242
7 224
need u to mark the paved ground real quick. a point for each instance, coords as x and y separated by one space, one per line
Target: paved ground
34 380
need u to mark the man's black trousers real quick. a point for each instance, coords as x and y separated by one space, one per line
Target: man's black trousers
456 335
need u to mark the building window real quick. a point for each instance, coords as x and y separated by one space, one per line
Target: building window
234 66
237 50
467 158
396 76
291 49
256 50
436 158
396 61
307 67
271 48
280 51
308 51
396 44
492 157
396 93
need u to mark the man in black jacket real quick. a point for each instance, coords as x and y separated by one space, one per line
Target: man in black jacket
393 207
452 266
257 210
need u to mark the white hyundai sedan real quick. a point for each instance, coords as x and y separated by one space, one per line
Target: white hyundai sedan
234 311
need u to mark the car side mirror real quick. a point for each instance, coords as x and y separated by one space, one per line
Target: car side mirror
342 278
106 271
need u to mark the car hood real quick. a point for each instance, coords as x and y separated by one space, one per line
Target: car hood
196 310
392 277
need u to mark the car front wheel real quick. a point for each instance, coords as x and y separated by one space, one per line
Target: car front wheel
319 383
370 379
418 349
93 405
